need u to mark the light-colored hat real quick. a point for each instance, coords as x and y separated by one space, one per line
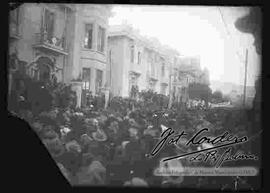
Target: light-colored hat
207 145
73 145
151 131
54 146
37 126
95 121
124 143
99 135
119 119
86 138
51 134
133 131
64 130
136 182
102 119
78 113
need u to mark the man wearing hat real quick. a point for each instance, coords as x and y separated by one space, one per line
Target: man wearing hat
72 159
94 144
93 172
99 135
135 153
54 146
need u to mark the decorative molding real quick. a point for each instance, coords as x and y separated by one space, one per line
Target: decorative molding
134 73
95 60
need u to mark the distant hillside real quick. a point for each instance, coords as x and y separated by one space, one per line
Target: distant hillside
227 87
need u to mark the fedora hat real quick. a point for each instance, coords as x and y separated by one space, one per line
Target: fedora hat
99 135
50 134
114 126
73 145
54 146
37 126
102 119
85 138
133 123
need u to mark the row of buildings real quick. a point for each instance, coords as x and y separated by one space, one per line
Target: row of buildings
74 44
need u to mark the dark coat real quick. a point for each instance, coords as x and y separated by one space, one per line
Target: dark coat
71 161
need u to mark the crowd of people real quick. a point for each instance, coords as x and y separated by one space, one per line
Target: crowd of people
112 147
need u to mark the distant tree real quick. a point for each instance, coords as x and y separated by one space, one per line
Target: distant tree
217 96
200 91
226 98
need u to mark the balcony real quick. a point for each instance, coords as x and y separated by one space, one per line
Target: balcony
53 45
134 73
152 76
135 70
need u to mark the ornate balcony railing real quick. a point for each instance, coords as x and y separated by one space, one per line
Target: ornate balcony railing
135 69
152 75
50 43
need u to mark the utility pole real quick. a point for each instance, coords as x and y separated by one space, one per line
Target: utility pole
170 87
245 83
110 55
170 92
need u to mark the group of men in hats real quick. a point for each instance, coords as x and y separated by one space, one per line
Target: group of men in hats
105 148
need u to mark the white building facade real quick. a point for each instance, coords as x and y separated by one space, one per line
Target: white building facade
136 61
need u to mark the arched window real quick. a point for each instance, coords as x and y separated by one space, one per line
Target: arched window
41 69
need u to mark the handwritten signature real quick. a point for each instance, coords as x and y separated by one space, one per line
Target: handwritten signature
211 153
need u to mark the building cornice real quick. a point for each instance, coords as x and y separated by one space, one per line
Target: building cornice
104 62
129 33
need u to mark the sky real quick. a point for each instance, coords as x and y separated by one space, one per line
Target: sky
198 30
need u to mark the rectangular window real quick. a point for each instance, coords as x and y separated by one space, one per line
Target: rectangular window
14 16
49 21
152 69
88 38
101 39
139 57
132 54
163 70
86 77
152 66
14 21
110 56
99 76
